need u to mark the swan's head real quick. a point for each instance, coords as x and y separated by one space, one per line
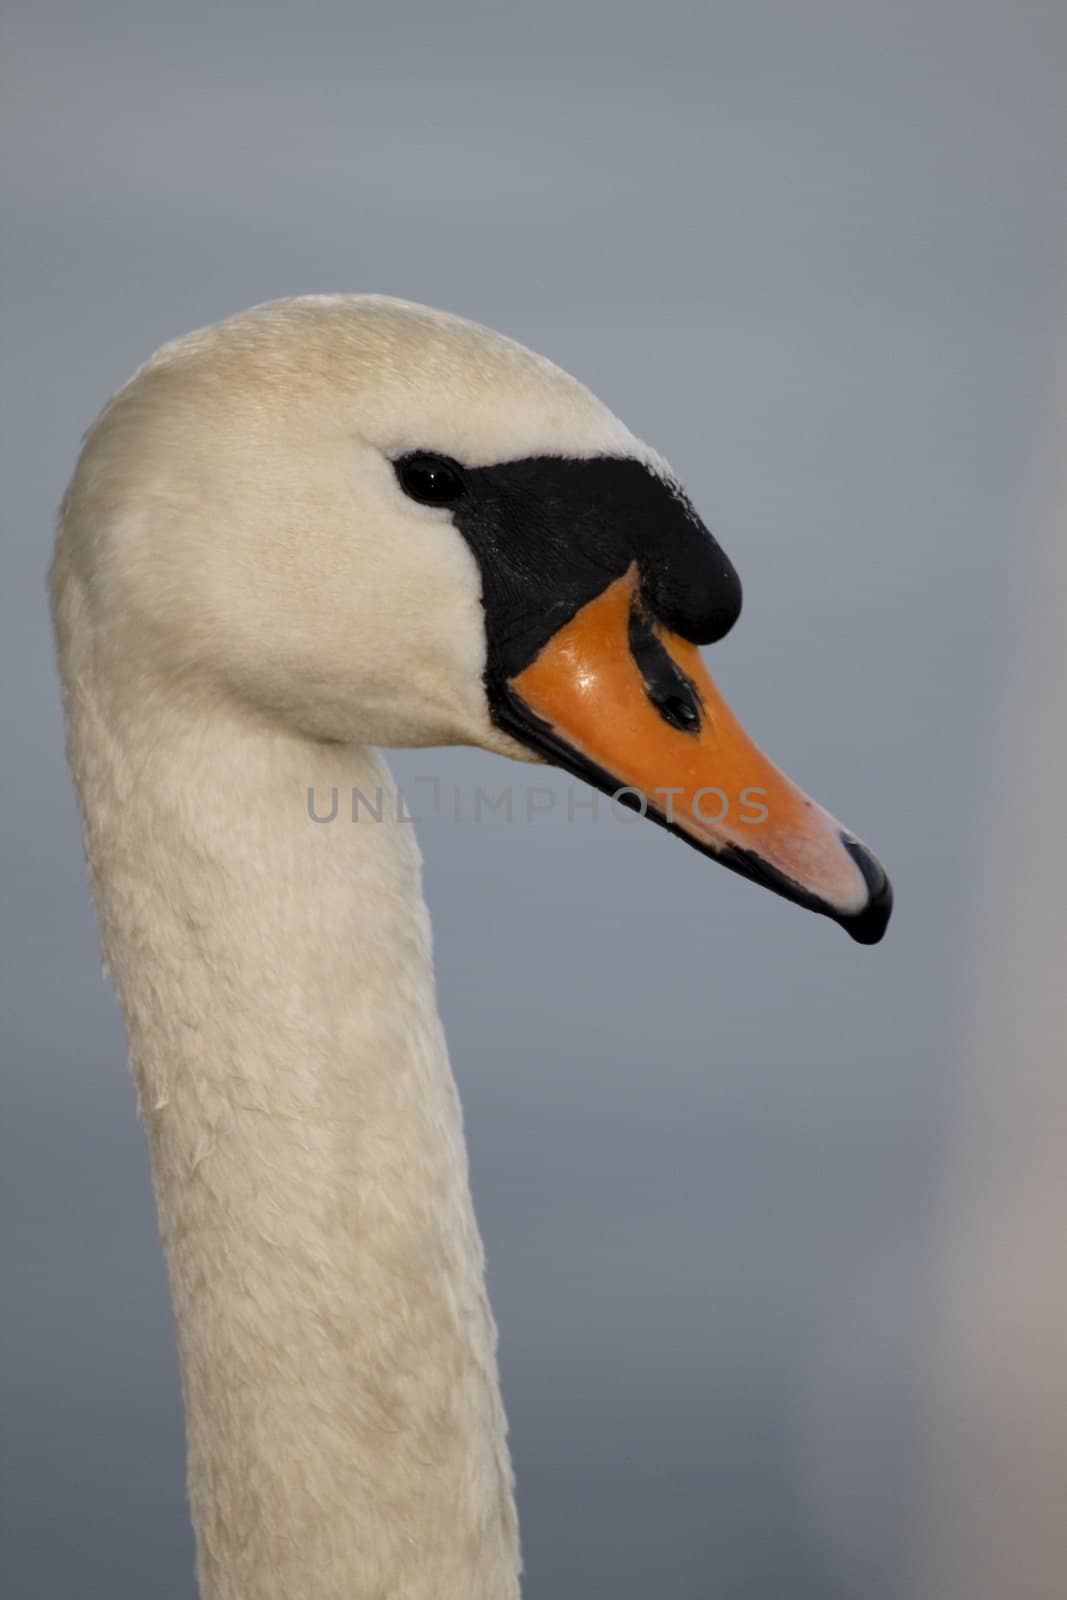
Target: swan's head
375 523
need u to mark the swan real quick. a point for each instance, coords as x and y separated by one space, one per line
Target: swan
323 526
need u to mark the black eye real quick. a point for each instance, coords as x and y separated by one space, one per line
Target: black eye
434 480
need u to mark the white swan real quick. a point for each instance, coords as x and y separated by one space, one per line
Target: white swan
322 526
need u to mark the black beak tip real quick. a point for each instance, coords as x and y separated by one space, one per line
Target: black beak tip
869 925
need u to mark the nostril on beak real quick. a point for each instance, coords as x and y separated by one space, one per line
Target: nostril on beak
679 711
674 695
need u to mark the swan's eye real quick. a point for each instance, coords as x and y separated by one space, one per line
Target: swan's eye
434 480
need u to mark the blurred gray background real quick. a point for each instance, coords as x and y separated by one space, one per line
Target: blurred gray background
811 253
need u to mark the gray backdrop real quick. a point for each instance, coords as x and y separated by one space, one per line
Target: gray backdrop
808 252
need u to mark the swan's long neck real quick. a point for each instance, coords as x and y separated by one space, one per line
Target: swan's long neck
337 1352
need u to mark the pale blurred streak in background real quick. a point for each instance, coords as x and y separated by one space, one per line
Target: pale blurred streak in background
974 1337
997 1380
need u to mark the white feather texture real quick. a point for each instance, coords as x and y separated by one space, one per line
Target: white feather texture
245 603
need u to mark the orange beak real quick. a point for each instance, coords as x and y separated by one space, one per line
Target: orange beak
631 707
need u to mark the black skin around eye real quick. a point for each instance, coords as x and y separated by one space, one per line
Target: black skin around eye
432 480
550 533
